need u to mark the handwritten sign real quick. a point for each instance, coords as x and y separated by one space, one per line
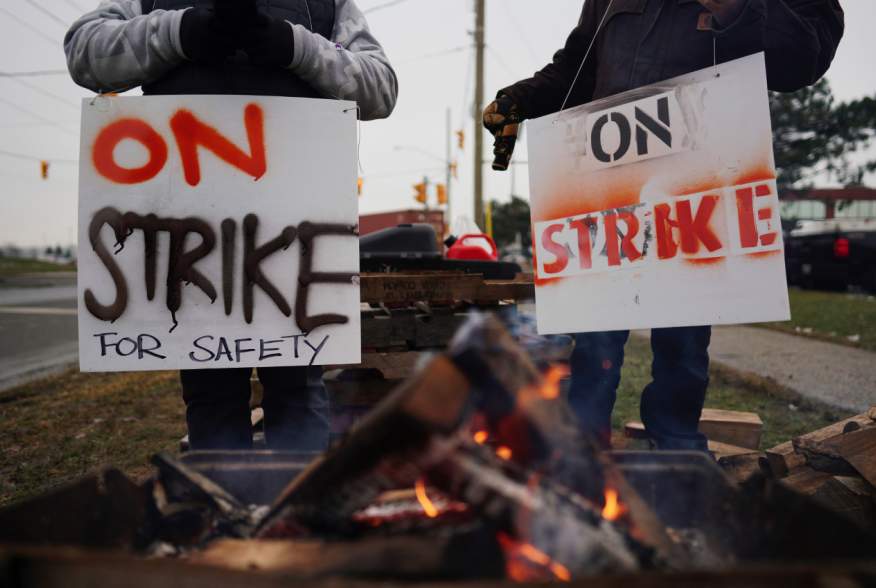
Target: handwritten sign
659 207
217 232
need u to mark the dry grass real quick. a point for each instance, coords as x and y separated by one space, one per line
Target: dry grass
58 429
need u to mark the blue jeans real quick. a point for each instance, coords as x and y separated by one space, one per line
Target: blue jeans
295 402
671 404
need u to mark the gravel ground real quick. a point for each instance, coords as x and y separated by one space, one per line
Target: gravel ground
840 376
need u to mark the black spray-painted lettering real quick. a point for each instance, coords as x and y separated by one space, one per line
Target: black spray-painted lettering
182 262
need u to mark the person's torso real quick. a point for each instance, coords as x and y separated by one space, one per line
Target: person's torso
647 41
236 75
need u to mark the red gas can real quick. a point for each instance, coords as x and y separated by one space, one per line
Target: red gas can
474 247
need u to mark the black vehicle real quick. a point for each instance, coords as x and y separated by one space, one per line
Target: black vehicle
832 254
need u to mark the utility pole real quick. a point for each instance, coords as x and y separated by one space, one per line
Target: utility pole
449 153
480 45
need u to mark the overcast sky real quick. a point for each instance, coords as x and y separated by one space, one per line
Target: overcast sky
428 42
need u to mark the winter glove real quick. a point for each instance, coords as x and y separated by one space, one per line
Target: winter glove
725 12
268 41
204 38
502 118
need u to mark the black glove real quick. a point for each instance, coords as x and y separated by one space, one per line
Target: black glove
269 41
204 38
725 12
502 118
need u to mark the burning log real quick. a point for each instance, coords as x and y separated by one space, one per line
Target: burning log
526 470
182 495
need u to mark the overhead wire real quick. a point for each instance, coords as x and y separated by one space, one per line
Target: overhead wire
521 34
36 115
389 4
434 54
75 5
65 101
39 32
34 74
48 13
26 157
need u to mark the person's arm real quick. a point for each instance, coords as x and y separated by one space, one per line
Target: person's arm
116 47
350 66
544 92
800 38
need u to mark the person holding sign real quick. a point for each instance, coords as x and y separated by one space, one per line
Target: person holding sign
620 45
292 48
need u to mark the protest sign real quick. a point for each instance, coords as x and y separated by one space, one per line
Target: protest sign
216 232
658 207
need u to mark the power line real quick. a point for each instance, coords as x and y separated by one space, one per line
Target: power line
500 60
435 54
36 116
75 6
34 74
521 34
382 6
29 26
25 157
65 101
48 13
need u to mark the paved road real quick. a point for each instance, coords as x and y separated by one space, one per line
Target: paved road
37 327
837 375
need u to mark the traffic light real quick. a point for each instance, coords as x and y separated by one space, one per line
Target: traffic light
442 194
360 183
460 138
44 170
420 193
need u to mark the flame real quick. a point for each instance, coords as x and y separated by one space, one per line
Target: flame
504 452
518 571
423 498
613 508
481 437
550 386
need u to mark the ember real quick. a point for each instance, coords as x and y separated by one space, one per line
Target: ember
613 509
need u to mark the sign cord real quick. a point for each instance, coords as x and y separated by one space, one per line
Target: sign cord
586 55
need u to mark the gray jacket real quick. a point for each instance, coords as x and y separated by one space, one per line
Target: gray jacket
116 47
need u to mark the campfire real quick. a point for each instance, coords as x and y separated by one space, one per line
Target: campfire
473 468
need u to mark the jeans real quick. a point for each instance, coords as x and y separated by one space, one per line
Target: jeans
671 404
295 402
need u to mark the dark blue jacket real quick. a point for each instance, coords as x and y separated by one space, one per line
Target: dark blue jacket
647 41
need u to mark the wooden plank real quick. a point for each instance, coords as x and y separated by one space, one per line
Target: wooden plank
738 429
849 497
742 429
805 480
782 458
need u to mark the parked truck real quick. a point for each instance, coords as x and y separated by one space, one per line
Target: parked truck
832 254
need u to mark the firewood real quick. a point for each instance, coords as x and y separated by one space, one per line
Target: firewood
742 429
850 453
738 463
422 431
739 429
783 458
850 497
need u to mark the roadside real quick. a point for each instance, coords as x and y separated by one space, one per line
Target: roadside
832 374
838 317
38 334
10 266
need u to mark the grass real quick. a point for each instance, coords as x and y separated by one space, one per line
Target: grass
58 429
728 390
844 318
10 266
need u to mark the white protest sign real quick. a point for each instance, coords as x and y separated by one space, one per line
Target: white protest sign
658 207
216 232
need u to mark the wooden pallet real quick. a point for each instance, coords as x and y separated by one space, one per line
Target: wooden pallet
442 288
